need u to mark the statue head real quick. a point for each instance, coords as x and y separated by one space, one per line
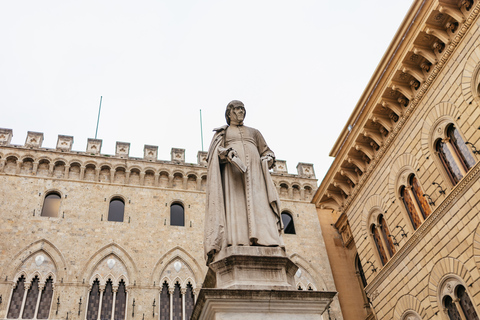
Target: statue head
231 107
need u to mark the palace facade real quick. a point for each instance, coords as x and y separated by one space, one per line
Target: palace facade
403 189
87 235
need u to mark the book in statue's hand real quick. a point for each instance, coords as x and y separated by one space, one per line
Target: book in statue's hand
237 162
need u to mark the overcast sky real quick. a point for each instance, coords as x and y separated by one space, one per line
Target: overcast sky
299 66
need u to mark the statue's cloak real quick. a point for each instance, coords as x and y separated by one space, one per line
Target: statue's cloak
240 210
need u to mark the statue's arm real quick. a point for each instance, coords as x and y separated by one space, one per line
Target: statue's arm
264 151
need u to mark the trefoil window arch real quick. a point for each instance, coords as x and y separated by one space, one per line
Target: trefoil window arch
31 300
108 301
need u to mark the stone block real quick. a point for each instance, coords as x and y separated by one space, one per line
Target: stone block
5 136
94 146
253 268
122 149
34 139
150 152
225 304
280 166
305 170
202 158
64 143
178 155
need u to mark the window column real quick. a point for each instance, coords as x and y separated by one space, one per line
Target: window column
26 286
183 291
170 292
459 308
114 290
101 289
41 286
82 172
67 171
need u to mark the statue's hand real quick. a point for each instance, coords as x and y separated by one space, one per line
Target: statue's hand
232 153
269 159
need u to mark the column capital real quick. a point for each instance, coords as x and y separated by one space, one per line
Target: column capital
171 290
183 291
102 288
115 288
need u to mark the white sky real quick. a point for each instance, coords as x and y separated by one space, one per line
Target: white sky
299 66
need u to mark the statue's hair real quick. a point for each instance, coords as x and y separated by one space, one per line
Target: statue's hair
230 105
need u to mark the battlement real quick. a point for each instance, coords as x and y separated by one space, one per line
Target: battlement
34 141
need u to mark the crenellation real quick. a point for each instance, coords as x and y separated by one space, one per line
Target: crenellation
178 155
122 149
64 143
5 136
202 158
150 152
305 170
34 139
280 166
94 146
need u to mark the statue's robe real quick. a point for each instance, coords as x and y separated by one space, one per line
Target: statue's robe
242 209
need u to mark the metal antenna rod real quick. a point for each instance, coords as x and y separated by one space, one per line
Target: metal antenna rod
98 119
201 128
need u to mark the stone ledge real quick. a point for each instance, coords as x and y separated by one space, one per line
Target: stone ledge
222 304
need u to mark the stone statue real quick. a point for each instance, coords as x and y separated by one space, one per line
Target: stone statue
243 208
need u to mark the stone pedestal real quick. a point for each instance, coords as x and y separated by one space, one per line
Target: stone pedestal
256 283
228 304
252 268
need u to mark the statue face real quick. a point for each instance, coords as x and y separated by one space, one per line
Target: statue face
237 113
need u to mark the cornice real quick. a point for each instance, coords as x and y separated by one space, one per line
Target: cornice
459 190
437 68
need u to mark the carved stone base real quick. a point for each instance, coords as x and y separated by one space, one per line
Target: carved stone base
227 304
260 268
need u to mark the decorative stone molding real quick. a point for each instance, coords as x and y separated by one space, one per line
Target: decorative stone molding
471 76
94 146
439 273
34 139
202 158
64 143
405 305
150 152
5 136
404 162
305 170
178 155
122 149
456 194
280 166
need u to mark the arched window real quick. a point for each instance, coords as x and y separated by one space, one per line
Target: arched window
288 225
415 202
165 302
108 303
116 210
386 236
457 302
378 244
454 154
51 205
177 215
29 304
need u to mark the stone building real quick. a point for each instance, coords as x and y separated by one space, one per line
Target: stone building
87 235
403 188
